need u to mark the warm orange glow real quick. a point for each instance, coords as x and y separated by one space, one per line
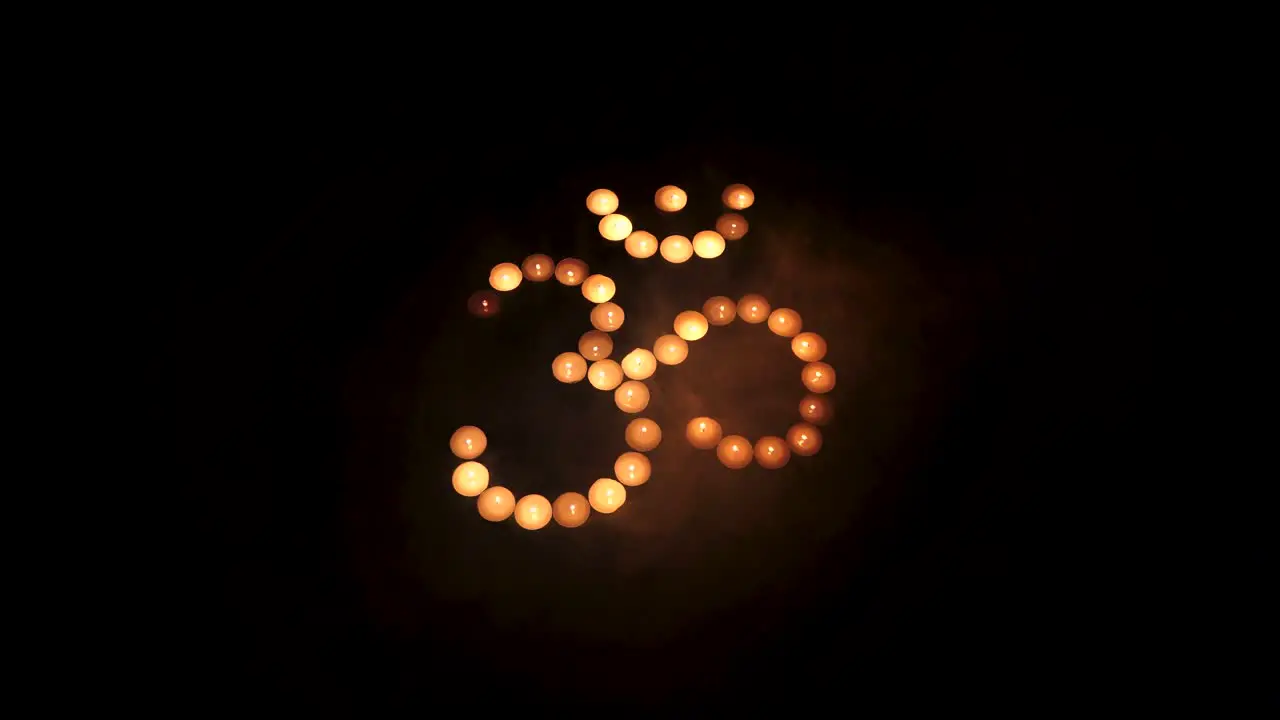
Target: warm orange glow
753 308
570 510
708 244
691 325
670 198
703 433
595 345
496 504
470 478
676 249
735 452
639 364
533 512
538 268
772 452
599 288
641 244
818 377
607 317
571 271
631 396
602 202
670 349
484 303
809 346
505 277
604 375
804 439
738 196
785 322
606 495
615 227
632 468
816 409
720 310
643 434
468 442
732 226
569 367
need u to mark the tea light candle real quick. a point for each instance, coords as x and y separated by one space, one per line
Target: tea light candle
599 288
607 317
639 364
505 277
676 249
483 303
569 367
720 310
602 202
738 196
708 244
571 271
533 512
632 469
604 375
753 308
470 478
670 349
496 504
643 434
732 226
772 452
641 244
734 452
538 268
691 325
670 198
816 409
804 439
703 433
809 346
631 396
570 510
468 442
818 377
606 495
785 322
615 227
595 345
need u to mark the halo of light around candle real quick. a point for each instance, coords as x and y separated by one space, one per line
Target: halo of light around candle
670 198
818 377
607 317
720 310
632 468
470 478
703 433
602 202
538 268
606 495
599 288
641 244
643 434
631 396
816 409
708 244
595 345
804 439
734 452
785 322
809 346
639 364
570 510
753 308
670 349
468 442
569 367
732 226
676 249
615 227
533 512
738 196
505 277
772 452
691 325
484 303
571 271
604 375
496 504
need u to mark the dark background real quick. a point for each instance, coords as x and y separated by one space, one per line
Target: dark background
969 219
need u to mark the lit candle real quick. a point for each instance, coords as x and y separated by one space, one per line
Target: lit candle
720 310
483 303
816 409
595 345
804 439
632 469
734 452
569 367
538 268
809 346
738 196
732 226
639 364
772 452
607 495
615 227
533 512
641 244
631 396
691 325
676 248
496 504
598 288
571 271
785 322
670 198
470 478
708 244
468 442
607 317
753 308
643 434
604 375
703 433
671 349
505 277
570 510
602 202
818 377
